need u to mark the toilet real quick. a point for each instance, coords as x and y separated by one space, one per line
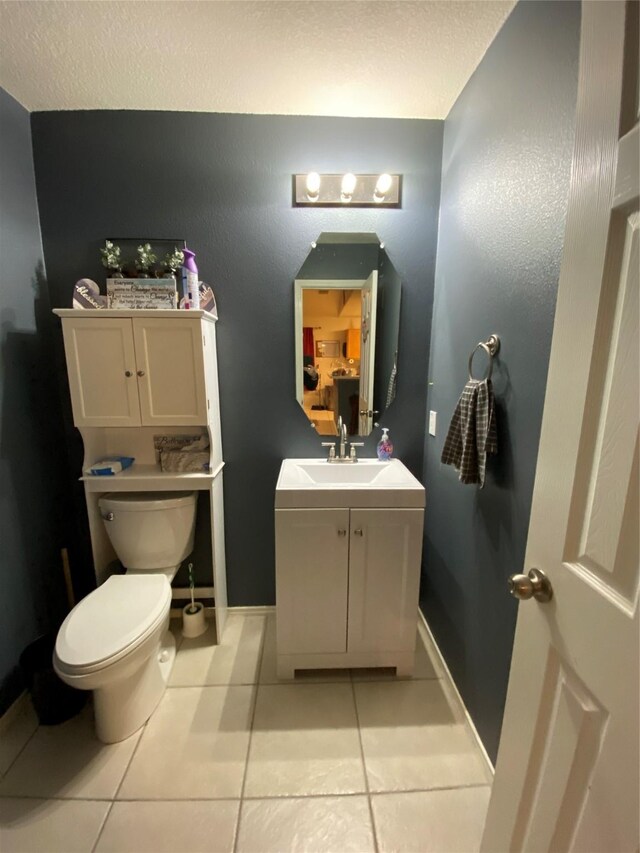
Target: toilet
116 641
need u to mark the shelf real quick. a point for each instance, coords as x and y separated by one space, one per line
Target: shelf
149 478
171 313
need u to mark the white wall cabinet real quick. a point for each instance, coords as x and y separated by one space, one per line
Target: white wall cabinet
145 371
347 583
132 375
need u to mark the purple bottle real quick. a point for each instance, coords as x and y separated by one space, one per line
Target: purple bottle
190 280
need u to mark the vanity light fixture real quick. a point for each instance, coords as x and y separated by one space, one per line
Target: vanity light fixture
347 189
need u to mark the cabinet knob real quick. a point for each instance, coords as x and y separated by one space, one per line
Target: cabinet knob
128 373
358 532
342 532
141 373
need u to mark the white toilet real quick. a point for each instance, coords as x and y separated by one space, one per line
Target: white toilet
116 641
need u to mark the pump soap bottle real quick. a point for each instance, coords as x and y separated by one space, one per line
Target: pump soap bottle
190 293
385 447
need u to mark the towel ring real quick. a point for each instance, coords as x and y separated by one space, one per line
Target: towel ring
491 347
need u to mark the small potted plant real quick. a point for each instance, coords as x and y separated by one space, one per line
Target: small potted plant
145 260
193 621
112 259
172 262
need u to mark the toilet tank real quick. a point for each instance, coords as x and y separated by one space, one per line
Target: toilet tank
150 530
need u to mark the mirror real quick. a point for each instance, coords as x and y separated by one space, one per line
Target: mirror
347 323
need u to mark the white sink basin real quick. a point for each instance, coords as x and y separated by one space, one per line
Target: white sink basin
365 483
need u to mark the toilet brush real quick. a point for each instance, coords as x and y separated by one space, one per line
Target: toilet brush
193 621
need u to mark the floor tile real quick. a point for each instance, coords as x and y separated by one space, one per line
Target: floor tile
414 738
194 746
15 734
194 827
202 661
304 741
69 761
268 674
50 826
424 667
433 822
311 825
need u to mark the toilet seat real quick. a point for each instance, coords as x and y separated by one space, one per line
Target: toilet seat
111 622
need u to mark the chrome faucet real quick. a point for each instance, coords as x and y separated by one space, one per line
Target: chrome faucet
341 445
342 432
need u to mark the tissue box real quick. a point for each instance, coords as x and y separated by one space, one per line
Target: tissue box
138 293
185 461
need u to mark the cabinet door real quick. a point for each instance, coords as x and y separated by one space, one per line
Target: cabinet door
312 557
170 371
384 579
102 371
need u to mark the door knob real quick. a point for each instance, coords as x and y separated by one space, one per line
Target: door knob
141 373
535 584
358 532
128 373
342 532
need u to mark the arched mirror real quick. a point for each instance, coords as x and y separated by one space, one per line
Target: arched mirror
347 323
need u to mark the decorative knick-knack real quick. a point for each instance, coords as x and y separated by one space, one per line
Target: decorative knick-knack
145 260
112 259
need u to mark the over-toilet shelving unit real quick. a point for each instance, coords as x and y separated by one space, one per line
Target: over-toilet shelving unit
134 375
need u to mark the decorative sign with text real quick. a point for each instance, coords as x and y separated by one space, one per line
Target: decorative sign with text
141 293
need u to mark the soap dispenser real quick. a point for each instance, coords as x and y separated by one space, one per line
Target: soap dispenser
385 447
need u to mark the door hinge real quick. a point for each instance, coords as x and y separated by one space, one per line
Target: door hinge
204 341
207 403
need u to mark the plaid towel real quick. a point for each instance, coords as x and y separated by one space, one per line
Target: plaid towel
472 433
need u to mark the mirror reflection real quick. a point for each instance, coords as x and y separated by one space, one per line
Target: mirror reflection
347 320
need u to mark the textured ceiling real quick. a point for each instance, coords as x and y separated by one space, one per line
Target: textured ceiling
388 59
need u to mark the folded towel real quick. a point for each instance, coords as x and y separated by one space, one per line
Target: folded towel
472 432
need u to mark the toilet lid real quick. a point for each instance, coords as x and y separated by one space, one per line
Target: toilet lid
117 615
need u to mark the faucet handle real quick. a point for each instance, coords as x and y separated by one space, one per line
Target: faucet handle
332 450
352 451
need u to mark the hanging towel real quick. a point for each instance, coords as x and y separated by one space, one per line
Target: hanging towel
472 432
307 341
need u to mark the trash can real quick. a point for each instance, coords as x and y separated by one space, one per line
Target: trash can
53 700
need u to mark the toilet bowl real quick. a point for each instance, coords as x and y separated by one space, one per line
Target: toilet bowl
116 641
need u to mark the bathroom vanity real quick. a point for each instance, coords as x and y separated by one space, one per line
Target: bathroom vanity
348 549
134 375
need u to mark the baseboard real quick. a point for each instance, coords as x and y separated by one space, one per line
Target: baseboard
254 611
455 690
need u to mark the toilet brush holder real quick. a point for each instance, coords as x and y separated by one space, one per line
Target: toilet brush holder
193 620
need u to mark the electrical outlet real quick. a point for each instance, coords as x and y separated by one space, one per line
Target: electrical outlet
432 422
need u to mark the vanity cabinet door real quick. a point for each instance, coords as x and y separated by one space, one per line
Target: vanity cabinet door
102 372
170 371
312 570
384 579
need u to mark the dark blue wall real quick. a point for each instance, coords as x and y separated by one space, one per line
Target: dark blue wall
224 183
31 599
506 163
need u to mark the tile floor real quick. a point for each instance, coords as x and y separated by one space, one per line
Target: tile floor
234 760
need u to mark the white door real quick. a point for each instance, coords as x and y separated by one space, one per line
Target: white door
567 769
312 570
384 576
369 307
170 371
102 372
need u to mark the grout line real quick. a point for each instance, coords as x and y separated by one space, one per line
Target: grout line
330 795
253 716
102 826
20 751
117 791
364 768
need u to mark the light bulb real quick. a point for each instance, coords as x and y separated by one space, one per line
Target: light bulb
313 186
348 186
383 186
